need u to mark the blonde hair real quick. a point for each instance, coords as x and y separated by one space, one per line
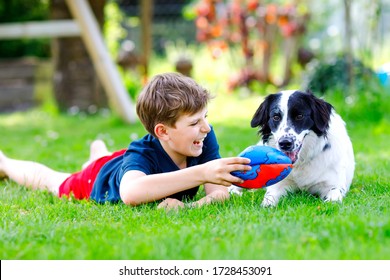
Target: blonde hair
167 97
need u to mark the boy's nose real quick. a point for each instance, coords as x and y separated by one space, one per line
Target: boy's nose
206 127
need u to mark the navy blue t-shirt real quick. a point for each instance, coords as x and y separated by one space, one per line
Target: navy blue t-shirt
147 155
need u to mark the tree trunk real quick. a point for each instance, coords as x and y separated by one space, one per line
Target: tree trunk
348 41
76 84
146 27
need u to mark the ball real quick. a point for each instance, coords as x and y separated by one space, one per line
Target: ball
269 166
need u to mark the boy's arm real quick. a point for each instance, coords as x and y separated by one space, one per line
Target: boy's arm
214 193
136 187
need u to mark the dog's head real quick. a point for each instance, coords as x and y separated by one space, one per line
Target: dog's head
288 116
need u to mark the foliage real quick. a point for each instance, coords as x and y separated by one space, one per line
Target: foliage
262 31
114 33
22 11
133 82
367 104
331 75
365 100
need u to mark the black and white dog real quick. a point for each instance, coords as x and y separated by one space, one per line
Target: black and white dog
309 131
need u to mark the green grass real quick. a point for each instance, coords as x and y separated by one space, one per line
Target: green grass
37 225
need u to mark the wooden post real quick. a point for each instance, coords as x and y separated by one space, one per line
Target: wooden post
146 28
104 66
348 42
49 28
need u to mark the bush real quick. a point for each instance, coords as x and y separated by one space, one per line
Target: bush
365 100
22 11
334 75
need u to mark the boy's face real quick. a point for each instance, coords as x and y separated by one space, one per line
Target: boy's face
186 138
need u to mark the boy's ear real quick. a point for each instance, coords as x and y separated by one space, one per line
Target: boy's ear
161 131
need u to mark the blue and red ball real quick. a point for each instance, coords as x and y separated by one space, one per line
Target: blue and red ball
269 166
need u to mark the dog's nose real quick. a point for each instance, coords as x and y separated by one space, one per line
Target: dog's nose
286 143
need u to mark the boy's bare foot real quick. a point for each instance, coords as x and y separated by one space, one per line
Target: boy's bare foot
98 149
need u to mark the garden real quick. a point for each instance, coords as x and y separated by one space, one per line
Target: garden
36 225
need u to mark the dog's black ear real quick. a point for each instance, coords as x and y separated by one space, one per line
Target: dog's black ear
321 111
261 117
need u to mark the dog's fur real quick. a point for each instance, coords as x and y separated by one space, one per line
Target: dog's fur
309 131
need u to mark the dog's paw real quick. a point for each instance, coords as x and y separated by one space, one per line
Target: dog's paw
334 195
235 190
269 201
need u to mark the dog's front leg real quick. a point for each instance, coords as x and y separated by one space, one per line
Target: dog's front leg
334 194
273 194
334 190
235 190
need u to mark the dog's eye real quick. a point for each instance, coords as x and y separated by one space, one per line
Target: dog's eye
276 118
299 117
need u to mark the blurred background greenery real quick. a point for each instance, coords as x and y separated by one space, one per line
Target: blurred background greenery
248 47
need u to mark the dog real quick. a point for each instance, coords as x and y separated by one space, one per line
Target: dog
310 132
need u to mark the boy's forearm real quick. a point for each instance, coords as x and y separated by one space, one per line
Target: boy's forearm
144 189
217 195
136 187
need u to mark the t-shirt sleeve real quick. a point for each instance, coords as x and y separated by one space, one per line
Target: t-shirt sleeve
140 158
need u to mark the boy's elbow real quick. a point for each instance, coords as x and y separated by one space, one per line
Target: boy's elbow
129 201
130 192
128 197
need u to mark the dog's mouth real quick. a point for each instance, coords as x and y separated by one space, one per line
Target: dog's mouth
292 155
290 146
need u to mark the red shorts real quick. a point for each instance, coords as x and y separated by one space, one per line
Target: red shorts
80 183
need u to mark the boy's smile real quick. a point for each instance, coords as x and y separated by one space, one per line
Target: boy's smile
199 143
186 138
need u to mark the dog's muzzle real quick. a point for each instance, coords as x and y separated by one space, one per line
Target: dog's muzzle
287 145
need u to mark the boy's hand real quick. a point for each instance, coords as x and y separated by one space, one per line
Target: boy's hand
218 171
171 204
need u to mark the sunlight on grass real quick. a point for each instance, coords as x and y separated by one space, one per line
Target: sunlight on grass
34 118
233 109
12 120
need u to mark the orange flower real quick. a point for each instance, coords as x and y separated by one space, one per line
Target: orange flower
252 5
271 14
216 31
283 20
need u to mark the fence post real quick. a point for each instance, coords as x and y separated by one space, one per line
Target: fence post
103 64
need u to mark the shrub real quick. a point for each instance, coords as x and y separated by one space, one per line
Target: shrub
22 11
335 75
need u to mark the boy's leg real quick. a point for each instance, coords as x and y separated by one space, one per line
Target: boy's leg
98 149
31 174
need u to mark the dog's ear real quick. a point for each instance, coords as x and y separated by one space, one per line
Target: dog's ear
261 117
321 111
262 113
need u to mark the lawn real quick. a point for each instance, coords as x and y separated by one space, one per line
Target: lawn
36 225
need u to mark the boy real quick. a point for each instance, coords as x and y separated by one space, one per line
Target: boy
179 153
